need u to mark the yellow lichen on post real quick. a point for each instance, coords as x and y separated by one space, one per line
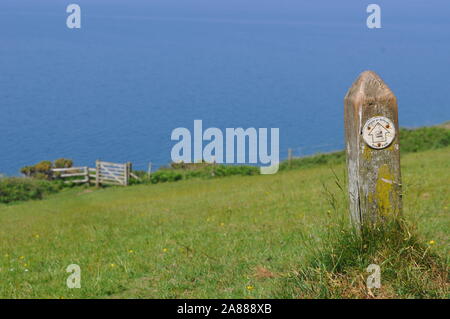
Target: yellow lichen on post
383 191
367 153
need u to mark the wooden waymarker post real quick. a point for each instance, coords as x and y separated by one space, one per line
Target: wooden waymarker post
373 152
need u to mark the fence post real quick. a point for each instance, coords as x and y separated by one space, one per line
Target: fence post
213 171
86 174
289 157
130 171
127 173
149 170
373 152
97 173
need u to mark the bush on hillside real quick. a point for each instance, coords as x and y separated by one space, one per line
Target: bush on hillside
310 161
190 166
424 138
163 176
62 163
229 170
22 188
43 169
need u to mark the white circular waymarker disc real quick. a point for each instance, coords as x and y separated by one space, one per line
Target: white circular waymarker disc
378 132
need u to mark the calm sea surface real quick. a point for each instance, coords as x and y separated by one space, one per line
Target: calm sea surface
116 88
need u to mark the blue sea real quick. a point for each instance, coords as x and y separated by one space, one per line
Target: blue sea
116 88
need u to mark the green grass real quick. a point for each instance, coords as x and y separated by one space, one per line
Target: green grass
234 237
338 269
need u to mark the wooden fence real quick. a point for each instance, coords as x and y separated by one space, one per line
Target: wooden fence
104 173
72 172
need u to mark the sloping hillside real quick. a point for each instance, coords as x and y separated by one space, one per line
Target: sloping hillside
232 237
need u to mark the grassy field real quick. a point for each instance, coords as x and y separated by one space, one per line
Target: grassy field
235 237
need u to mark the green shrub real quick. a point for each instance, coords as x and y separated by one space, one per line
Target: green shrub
191 166
424 138
163 176
62 163
43 169
19 189
229 170
28 171
318 159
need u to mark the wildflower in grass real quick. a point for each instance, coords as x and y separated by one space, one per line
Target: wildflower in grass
112 265
26 270
250 288
222 224
131 251
431 242
22 257
36 236
25 265
165 250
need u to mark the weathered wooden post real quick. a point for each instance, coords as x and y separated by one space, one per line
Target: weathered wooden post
127 173
373 152
289 157
149 172
97 173
86 174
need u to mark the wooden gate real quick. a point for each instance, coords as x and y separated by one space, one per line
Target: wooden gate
112 173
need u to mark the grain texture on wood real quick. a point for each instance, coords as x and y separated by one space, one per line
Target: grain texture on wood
70 169
374 178
127 174
97 173
122 166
